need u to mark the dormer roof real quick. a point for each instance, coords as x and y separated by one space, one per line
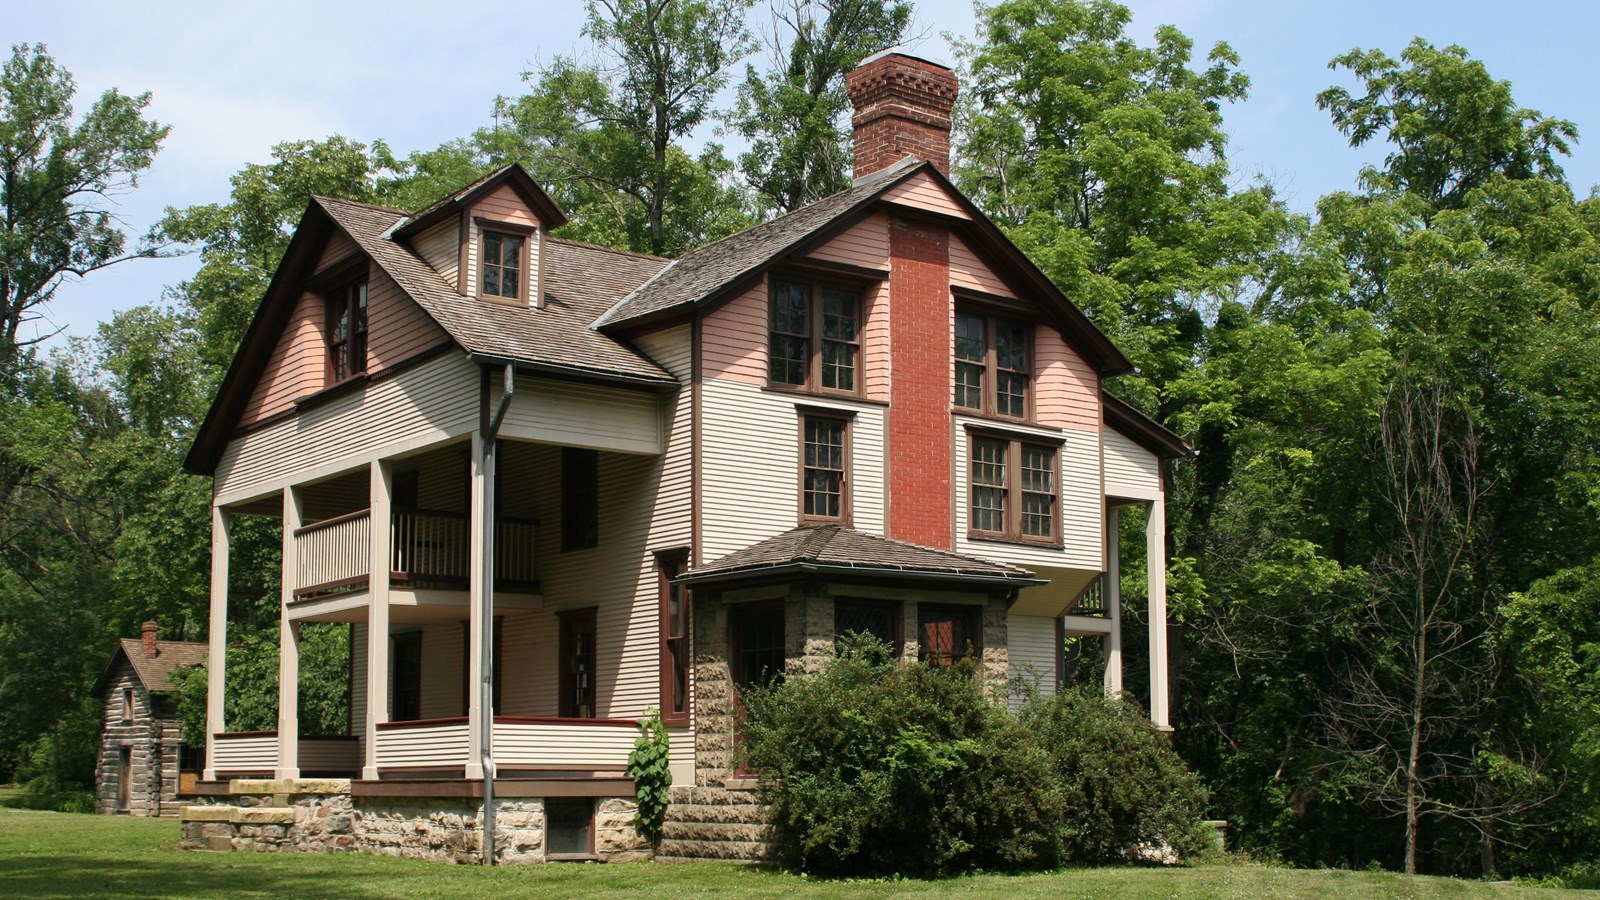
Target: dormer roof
550 215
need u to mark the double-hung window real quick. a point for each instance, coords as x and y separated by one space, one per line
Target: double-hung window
1013 490
675 612
347 331
824 468
993 371
814 339
502 268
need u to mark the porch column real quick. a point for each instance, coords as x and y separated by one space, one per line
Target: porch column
480 597
1155 540
1112 592
289 647
378 568
217 634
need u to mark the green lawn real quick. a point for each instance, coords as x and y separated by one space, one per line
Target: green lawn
61 855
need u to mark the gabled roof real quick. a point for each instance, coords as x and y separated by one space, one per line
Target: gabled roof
825 549
550 215
582 281
1128 421
155 673
719 269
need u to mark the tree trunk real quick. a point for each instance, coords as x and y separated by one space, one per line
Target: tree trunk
1418 692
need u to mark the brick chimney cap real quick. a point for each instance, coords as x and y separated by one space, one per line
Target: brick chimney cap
897 51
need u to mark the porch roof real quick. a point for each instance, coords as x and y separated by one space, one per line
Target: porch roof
834 549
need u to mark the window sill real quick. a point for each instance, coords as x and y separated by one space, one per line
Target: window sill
985 537
797 390
1020 427
572 857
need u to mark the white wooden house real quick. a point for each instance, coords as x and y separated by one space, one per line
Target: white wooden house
553 486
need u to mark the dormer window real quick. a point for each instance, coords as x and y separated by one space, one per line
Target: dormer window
347 331
502 268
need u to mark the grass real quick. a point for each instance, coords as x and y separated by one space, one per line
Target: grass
62 855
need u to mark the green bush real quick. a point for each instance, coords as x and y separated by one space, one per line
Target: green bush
1123 785
876 768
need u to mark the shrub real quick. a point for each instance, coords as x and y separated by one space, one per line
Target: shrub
872 767
1123 786
648 766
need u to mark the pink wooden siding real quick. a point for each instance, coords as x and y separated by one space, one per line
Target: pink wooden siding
1068 388
397 327
733 341
865 244
922 193
967 271
504 205
298 365
339 247
875 343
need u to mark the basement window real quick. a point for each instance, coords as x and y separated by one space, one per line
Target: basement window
569 828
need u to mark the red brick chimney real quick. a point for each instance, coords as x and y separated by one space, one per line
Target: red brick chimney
902 108
150 631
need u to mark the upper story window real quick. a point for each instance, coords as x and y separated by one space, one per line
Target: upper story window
502 269
127 704
824 468
1013 490
815 337
992 365
347 330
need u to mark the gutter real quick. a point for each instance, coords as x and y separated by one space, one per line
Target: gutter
634 381
824 569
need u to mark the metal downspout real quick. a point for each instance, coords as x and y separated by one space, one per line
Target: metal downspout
486 627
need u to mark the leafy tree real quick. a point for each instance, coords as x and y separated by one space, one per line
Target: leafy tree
794 114
56 177
1453 127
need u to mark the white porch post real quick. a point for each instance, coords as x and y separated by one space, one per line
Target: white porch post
480 597
289 647
217 634
1112 592
378 568
1155 539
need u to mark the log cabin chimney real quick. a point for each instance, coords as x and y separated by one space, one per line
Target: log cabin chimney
902 108
149 633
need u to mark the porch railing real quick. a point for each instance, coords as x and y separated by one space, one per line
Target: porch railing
431 548
520 743
332 555
1093 600
337 755
244 753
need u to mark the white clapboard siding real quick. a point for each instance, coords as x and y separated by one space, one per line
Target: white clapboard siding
680 753
247 752
582 415
1031 647
329 754
1081 502
1131 470
528 744
433 402
440 247
426 745
750 446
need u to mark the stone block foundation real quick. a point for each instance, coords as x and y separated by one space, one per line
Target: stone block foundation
321 816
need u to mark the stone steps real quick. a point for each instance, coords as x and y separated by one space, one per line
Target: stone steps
714 823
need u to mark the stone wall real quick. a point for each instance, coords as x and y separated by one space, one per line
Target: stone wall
320 816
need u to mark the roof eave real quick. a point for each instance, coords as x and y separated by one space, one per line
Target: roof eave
660 383
1128 421
880 573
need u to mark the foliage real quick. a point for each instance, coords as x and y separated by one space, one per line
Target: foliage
652 777
189 701
1123 784
58 173
873 766
794 113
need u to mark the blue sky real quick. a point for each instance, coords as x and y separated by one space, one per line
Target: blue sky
234 78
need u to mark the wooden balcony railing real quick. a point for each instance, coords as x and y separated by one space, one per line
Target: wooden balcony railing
332 555
431 548
1093 600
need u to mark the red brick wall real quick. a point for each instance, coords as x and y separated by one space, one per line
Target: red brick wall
919 446
902 107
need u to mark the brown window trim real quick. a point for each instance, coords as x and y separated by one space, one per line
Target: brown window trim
974 616
674 656
567 697
524 234
585 856
892 607
1014 442
846 476
351 295
814 317
989 385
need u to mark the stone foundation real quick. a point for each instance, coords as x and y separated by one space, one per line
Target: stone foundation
715 823
322 817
